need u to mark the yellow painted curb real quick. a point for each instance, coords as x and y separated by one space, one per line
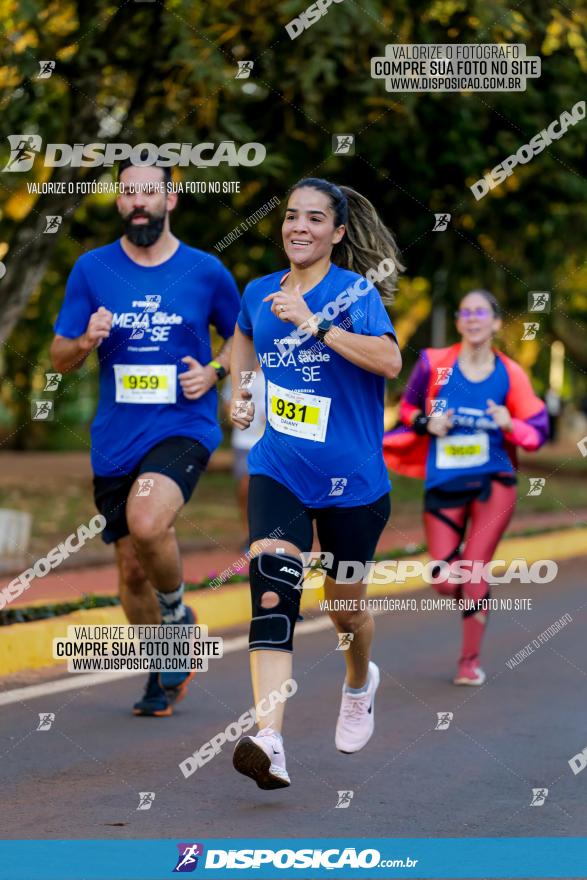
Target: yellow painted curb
29 645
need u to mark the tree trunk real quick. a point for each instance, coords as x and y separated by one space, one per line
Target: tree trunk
571 333
30 249
29 254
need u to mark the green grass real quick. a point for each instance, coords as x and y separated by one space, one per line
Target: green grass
559 493
211 518
29 613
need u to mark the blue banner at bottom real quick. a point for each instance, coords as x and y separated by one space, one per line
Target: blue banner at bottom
304 858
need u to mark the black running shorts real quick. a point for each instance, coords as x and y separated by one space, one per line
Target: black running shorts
468 488
349 533
181 459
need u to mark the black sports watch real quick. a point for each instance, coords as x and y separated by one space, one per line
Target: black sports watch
323 328
219 369
420 424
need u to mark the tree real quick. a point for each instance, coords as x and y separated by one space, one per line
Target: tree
165 72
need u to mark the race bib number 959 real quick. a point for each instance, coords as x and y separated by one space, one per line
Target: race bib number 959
297 414
137 383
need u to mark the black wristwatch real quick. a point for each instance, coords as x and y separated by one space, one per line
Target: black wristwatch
420 424
323 328
219 369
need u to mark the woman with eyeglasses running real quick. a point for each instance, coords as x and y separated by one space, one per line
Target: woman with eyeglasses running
465 410
325 344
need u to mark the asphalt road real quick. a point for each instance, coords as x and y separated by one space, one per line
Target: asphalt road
82 778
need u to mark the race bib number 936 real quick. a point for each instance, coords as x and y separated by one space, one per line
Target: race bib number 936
462 450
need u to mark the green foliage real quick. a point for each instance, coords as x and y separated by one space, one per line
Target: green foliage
166 72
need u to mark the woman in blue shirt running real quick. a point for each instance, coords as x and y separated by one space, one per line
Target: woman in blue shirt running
326 345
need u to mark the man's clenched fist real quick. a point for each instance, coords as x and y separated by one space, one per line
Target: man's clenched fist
99 327
197 379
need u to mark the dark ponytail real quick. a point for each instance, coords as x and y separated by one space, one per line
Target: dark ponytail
489 298
367 241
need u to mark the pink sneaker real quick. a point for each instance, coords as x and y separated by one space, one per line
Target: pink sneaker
262 758
356 720
470 673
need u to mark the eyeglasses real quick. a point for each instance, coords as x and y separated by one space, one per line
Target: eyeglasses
473 313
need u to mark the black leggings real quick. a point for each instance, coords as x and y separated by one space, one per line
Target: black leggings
348 533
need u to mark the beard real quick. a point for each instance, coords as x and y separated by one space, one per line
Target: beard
144 234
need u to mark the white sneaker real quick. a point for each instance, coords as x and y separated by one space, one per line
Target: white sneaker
470 673
262 758
356 720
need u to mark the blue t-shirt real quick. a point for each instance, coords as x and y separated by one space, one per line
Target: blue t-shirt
324 429
161 314
475 444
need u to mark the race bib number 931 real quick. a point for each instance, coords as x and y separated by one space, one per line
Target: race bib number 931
297 414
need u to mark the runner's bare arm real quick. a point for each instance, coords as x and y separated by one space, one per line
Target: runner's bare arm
223 356
69 354
376 354
243 359
199 378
